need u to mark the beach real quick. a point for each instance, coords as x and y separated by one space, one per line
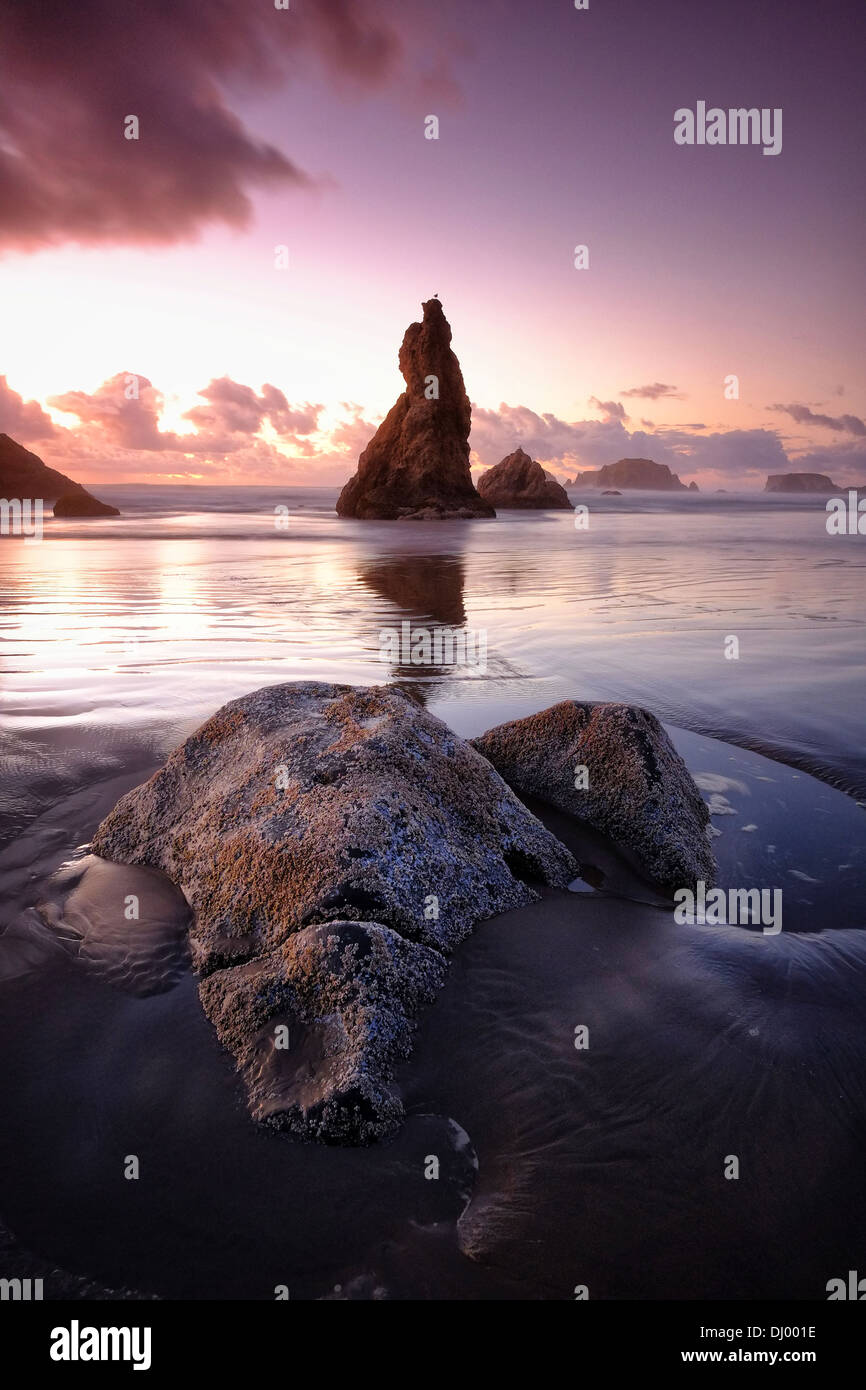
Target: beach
560 1167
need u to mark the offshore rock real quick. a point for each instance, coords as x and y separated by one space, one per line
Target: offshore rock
632 473
416 466
518 481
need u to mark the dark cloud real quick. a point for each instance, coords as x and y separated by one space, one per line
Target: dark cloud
751 454
612 410
843 424
496 433
654 392
71 73
23 420
843 463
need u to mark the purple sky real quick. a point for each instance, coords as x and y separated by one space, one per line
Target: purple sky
305 128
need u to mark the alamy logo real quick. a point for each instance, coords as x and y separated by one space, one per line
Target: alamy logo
439 646
20 1290
21 517
77 1343
847 519
855 1288
737 907
736 126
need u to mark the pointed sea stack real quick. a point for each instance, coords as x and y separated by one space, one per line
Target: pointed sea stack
518 481
416 466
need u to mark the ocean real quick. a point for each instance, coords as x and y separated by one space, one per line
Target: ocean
739 621
137 628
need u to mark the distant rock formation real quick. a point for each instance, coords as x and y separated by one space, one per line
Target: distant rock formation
416 466
800 482
518 481
24 475
693 487
627 473
79 502
611 492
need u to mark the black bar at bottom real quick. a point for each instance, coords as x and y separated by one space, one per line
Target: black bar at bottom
164 1338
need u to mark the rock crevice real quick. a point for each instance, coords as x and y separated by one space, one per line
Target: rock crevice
614 767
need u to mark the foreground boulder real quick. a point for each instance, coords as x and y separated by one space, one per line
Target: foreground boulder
79 502
416 466
312 827
308 803
638 790
519 481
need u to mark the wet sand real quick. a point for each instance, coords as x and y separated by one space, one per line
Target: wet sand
558 1167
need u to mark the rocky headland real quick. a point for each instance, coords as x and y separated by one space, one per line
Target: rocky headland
632 473
80 502
24 475
801 482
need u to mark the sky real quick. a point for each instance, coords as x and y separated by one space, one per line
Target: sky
152 331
